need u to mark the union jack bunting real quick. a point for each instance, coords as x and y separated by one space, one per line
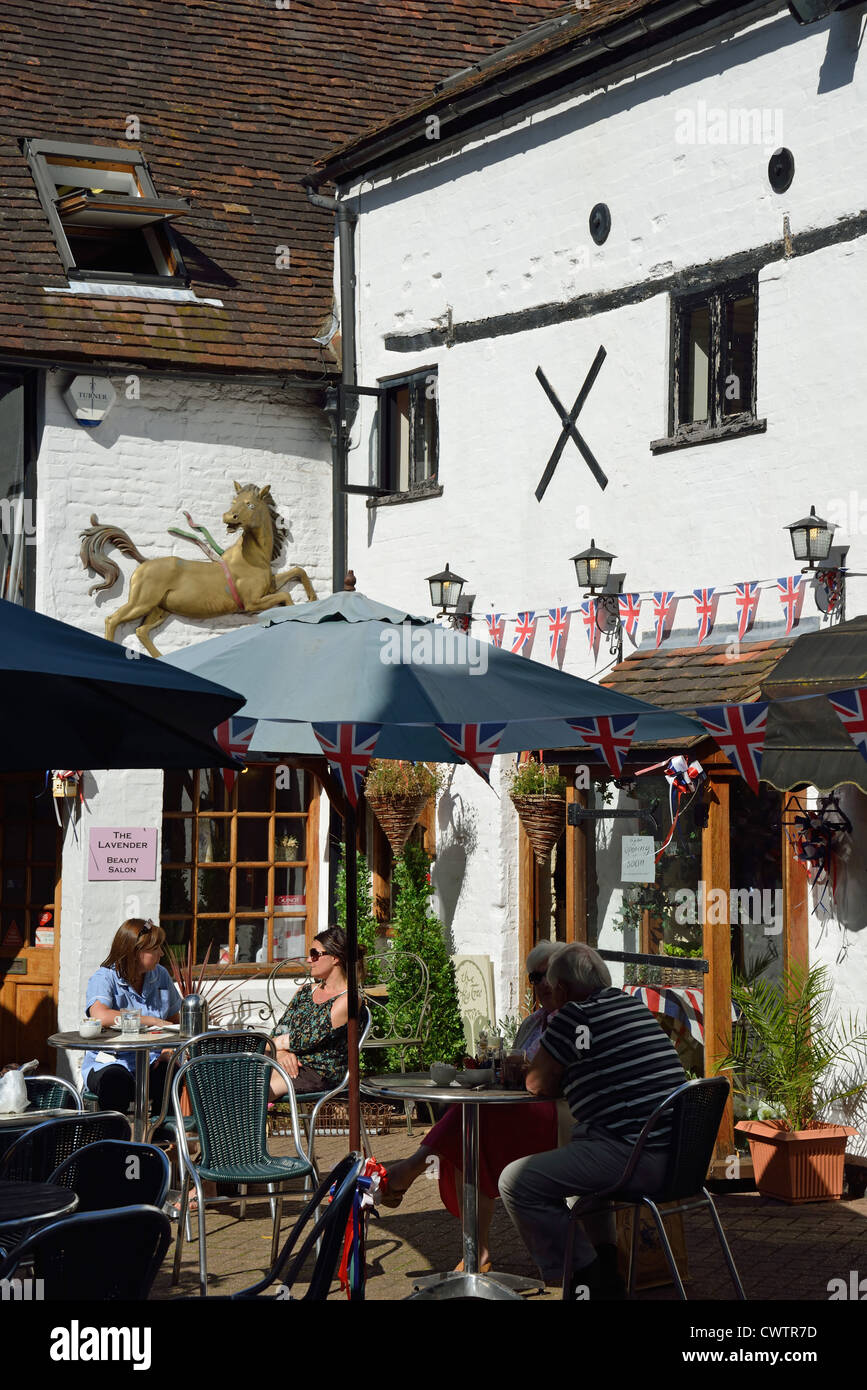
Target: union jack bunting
611 734
558 633
746 602
851 706
525 631
591 627
630 608
791 592
476 743
664 605
349 749
496 628
739 732
233 736
705 611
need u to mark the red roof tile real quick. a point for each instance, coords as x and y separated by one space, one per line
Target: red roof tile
575 32
237 99
685 678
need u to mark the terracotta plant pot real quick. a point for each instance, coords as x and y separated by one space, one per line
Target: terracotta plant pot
800 1165
398 816
544 819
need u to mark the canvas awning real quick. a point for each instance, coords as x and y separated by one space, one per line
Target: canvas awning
807 744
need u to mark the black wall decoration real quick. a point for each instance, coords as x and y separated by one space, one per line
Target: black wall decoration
569 430
600 223
781 169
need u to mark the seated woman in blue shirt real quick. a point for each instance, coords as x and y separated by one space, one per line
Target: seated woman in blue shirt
130 977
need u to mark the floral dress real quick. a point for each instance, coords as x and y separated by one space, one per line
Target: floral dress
315 1043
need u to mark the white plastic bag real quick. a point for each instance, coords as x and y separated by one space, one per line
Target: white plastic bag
13 1093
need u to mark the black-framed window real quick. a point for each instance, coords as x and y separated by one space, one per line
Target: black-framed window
409 431
108 221
714 352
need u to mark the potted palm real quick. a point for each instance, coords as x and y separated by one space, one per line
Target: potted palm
791 1051
538 794
397 793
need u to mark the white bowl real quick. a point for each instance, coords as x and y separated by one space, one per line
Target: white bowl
90 1028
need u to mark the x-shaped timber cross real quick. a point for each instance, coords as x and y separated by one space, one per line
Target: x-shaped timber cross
569 429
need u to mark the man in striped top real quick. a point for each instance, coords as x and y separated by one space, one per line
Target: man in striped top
607 1054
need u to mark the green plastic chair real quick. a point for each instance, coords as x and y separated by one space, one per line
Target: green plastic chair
52 1093
229 1097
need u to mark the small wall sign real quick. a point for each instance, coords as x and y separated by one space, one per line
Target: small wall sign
122 852
637 862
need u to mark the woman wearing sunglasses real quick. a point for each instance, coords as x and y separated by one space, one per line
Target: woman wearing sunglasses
311 1036
506 1132
130 977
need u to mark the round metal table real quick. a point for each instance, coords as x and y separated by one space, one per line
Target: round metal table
29 1203
139 1043
470 1283
27 1119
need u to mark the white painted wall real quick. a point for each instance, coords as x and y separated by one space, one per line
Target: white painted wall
178 447
502 225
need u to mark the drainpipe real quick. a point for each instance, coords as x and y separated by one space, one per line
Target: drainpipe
341 420
341 423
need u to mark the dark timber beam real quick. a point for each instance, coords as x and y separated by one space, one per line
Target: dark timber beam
691 279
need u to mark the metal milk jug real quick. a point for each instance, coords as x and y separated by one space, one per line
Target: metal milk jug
194 1014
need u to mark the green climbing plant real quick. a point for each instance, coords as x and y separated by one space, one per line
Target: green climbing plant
417 929
368 926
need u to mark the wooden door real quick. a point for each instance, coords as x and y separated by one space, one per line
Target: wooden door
30 857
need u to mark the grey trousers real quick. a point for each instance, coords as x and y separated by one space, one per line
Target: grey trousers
534 1192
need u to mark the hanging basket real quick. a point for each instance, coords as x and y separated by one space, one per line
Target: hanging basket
544 819
682 979
397 815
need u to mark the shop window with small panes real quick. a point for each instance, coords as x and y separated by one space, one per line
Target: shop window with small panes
239 864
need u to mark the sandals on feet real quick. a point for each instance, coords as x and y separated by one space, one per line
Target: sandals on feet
172 1206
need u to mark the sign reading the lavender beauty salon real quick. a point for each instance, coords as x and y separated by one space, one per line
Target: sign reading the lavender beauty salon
122 852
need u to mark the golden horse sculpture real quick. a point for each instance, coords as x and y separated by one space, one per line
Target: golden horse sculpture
237 580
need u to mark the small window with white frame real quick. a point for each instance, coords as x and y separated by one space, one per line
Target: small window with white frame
409 431
107 218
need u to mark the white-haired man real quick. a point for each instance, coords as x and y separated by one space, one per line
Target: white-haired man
608 1055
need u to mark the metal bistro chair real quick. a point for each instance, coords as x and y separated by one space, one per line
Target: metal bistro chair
229 1096
310 1103
386 1029
113 1173
98 1255
164 1126
326 1234
52 1093
35 1155
696 1110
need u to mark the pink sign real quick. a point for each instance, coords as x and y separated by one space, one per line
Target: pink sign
122 852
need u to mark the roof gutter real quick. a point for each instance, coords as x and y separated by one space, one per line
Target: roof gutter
460 114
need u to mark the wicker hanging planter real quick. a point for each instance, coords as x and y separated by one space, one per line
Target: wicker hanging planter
538 793
544 819
397 793
397 815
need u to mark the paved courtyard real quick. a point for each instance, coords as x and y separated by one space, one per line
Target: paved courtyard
782 1252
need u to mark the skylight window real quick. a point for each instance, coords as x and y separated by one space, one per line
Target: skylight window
107 218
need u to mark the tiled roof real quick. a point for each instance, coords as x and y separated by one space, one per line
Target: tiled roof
685 678
579 27
236 100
